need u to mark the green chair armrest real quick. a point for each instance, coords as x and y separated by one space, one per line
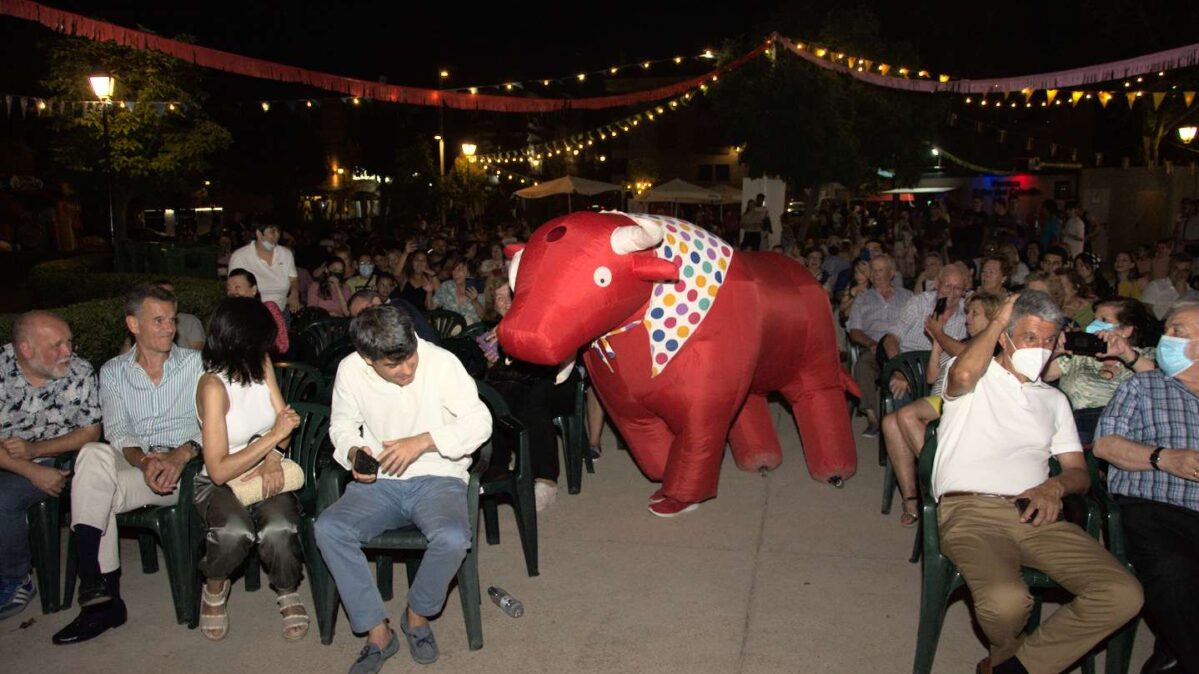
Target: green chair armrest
331 482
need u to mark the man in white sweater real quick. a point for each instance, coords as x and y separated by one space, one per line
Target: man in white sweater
411 406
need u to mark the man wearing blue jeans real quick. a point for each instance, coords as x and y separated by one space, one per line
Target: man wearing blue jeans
412 406
49 405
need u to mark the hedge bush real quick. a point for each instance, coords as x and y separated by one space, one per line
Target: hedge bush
93 303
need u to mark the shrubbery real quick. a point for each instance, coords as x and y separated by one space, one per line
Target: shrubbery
92 303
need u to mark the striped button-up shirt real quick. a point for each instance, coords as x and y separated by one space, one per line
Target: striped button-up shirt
876 316
911 322
138 413
1158 411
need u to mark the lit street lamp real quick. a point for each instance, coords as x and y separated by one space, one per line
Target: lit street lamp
104 86
1187 134
468 149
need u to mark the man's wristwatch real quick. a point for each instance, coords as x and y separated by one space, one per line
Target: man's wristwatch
1134 360
1155 457
193 445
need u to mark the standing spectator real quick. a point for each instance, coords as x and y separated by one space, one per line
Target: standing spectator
1051 224
1149 433
1164 292
754 221
273 265
242 283
874 315
1074 232
49 405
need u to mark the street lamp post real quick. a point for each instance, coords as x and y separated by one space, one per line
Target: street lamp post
1187 134
442 76
104 86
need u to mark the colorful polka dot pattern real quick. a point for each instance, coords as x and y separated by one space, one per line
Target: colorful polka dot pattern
677 309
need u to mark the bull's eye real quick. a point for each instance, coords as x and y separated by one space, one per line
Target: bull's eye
603 277
555 234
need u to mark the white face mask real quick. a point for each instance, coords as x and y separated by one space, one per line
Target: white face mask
1030 361
268 246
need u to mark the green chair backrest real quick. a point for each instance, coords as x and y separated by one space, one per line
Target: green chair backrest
913 365
446 323
307 443
299 382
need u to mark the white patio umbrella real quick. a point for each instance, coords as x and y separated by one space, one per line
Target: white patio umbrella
567 185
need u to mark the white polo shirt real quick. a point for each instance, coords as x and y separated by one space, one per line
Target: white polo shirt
998 438
274 280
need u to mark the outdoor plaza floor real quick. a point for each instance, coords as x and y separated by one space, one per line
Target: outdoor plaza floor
779 574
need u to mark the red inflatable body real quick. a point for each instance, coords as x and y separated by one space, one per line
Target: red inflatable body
687 337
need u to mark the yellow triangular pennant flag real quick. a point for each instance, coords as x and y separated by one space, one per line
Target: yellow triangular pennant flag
1158 97
1074 97
1104 97
1188 96
1050 94
1132 98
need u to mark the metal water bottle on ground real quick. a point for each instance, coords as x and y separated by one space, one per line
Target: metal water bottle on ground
507 603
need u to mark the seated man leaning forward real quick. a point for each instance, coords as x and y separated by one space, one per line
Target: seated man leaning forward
148 397
411 406
1149 432
999 509
49 405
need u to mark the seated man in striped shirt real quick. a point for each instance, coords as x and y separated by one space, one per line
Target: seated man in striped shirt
149 405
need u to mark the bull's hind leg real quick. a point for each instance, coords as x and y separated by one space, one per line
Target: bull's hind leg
650 441
754 440
823 423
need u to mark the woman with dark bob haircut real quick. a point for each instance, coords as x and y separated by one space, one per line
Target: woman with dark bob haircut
243 420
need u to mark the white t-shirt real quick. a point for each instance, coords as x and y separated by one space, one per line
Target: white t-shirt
1074 227
998 438
1161 294
274 280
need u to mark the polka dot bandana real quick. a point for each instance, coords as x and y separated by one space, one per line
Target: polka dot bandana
676 310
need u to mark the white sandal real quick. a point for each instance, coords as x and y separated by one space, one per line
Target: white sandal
292 622
215 626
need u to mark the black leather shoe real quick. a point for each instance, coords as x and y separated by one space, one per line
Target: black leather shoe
94 593
92 622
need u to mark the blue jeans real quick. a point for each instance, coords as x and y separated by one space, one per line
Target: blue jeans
435 505
16 496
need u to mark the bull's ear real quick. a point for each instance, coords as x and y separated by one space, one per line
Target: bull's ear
653 269
512 249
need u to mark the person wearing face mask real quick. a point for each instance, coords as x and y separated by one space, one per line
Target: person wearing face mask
1149 434
272 264
1000 425
366 274
331 293
1091 381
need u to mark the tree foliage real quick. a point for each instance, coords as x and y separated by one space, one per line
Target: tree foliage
811 126
156 145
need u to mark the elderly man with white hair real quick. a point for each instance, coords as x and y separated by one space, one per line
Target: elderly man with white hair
49 405
875 315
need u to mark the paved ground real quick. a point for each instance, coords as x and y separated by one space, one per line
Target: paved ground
779 574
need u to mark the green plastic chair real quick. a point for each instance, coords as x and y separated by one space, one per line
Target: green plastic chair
940 578
45 540
573 428
330 485
312 341
299 382
1119 648
329 359
172 527
446 323
518 486
913 365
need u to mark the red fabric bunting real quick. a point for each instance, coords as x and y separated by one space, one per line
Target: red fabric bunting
80 26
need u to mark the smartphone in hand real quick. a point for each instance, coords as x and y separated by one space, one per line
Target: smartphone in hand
365 464
942 304
1022 505
1085 344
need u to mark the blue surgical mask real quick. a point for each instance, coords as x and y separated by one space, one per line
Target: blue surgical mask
366 269
1098 326
1171 355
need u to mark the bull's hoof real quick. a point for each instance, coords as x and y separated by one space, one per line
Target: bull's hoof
763 471
836 481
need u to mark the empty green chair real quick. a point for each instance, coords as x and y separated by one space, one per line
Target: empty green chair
575 452
45 541
517 485
299 382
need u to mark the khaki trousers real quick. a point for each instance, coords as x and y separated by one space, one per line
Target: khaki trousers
104 486
985 538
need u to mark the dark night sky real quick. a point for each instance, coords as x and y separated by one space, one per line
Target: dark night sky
408 41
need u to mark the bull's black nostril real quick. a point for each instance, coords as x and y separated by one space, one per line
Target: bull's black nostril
555 234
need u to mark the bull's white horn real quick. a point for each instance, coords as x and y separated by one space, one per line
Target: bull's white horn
512 267
644 235
564 371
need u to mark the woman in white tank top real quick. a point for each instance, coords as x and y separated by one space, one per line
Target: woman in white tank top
243 419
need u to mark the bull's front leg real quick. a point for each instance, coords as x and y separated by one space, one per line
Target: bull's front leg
753 437
693 466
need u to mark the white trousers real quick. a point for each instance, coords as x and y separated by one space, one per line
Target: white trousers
104 486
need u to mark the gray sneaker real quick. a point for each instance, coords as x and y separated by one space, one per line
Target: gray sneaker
371 659
421 643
